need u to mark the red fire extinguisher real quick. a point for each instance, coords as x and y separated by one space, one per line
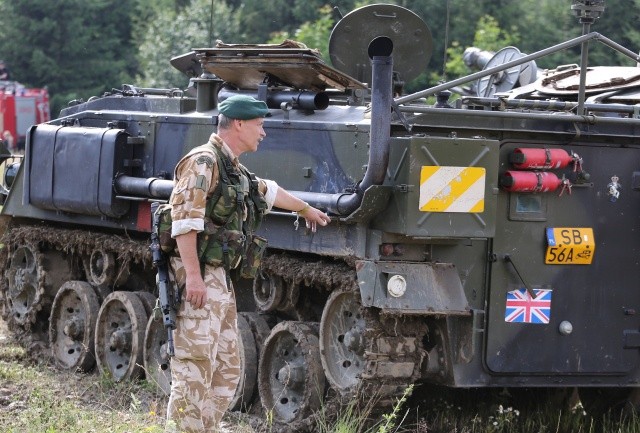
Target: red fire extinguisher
542 159
530 181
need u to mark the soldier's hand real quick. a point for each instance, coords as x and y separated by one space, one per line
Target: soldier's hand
196 291
313 217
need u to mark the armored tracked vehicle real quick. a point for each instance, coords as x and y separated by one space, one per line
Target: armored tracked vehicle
490 241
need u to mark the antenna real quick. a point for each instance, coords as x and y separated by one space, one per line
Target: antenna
587 11
211 26
446 44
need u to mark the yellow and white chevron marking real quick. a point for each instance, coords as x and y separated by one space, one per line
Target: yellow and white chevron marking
452 189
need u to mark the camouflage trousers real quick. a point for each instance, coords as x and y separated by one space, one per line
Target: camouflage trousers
205 370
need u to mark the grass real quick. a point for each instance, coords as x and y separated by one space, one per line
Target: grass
35 401
480 411
491 411
356 418
36 397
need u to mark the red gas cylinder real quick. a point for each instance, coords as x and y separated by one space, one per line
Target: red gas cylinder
529 181
532 158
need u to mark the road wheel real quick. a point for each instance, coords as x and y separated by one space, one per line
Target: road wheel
120 331
290 377
71 326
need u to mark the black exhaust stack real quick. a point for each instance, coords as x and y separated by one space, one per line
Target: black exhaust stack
380 50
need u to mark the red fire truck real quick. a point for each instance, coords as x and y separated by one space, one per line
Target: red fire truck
21 107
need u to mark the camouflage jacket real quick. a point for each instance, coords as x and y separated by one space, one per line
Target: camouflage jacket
220 199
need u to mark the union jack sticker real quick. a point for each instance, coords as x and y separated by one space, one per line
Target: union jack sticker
522 308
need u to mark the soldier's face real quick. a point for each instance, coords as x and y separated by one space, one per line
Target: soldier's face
252 133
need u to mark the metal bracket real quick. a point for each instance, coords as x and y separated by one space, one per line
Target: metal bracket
401 116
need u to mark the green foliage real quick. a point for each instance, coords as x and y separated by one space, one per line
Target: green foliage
355 417
81 49
313 34
488 36
361 3
389 420
9 372
172 34
78 49
312 10
260 19
549 23
11 353
146 12
503 420
350 419
486 411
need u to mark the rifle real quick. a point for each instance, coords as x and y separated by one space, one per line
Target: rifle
168 299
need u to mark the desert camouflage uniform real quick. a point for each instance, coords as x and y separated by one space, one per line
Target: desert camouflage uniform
206 367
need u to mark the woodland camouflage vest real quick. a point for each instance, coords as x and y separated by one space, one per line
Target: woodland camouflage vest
233 214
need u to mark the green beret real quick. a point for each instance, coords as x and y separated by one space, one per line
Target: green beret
243 107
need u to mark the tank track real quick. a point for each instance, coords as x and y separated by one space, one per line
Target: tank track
393 352
322 274
74 241
70 245
393 349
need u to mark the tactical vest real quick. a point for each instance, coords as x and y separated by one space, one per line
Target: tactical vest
232 215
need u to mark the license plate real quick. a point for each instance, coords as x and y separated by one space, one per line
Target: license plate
570 246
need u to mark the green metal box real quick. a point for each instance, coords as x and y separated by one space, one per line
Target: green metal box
442 187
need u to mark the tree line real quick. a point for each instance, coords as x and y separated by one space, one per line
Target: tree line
80 48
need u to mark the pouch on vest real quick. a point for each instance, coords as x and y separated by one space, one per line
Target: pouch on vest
167 243
253 256
217 245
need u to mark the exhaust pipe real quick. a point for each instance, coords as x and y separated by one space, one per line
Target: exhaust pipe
343 204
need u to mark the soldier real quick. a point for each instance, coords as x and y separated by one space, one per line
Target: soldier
206 366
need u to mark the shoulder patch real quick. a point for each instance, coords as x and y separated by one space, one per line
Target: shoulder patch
205 159
201 183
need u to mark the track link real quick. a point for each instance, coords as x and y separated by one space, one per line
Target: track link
59 252
392 345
